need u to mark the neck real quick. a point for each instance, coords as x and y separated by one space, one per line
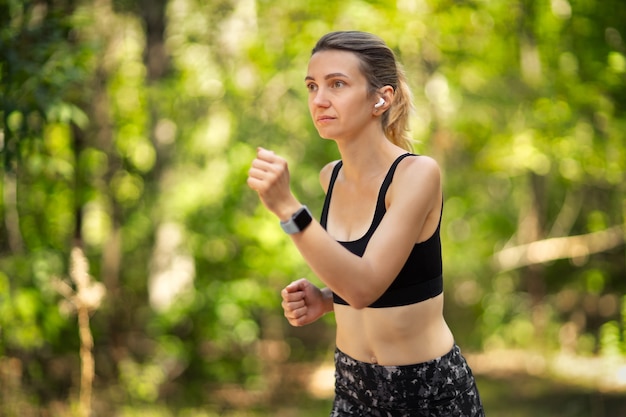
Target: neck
367 158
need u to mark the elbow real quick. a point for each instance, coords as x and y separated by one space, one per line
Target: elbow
362 293
360 299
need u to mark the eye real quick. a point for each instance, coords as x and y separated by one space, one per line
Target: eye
338 84
311 87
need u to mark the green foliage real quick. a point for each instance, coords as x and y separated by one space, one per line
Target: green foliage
132 136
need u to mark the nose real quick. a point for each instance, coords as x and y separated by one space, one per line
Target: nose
319 99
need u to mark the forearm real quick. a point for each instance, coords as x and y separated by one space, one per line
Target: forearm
327 295
342 271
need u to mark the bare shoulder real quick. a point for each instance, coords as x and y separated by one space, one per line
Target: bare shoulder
419 168
417 177
325 174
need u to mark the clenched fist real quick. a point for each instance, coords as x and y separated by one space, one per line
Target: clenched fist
269 177
304 303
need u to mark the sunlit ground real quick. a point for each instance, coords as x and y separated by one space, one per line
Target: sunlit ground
511 383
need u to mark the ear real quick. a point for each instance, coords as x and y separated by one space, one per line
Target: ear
387 94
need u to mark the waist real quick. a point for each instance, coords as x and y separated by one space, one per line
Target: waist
452 355
394 336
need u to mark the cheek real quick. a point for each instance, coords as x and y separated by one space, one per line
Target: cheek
311 106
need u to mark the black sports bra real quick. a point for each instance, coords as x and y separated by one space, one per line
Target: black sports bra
421 275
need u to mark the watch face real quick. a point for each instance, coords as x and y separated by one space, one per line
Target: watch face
298 222
302 218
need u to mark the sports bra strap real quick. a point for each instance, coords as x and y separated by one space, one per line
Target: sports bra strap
380 204
329 192
381 207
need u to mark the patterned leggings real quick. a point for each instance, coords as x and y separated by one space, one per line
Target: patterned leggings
442 387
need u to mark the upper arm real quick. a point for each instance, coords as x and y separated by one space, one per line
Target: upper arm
412 216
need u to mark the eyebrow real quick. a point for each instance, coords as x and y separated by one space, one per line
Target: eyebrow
329 76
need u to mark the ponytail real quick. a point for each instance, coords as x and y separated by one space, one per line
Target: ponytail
396 119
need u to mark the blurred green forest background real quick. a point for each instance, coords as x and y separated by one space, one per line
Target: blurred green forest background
140 276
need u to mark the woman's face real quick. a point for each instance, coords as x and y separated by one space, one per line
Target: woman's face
338 95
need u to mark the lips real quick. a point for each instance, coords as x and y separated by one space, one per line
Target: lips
322 119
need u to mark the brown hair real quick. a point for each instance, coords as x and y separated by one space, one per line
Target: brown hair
381 68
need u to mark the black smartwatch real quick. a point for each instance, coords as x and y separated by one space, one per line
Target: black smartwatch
298 222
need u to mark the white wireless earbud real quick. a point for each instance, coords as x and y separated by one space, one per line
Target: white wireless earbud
380 103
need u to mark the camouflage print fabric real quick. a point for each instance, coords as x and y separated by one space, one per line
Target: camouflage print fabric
442 387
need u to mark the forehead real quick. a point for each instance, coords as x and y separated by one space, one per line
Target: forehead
328 62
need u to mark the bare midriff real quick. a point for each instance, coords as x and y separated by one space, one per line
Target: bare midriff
403 335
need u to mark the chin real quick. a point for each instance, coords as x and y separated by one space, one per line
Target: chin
324 135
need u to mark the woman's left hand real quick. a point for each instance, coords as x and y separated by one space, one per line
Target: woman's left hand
303 302
269 177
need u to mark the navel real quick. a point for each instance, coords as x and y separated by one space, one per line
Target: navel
374 360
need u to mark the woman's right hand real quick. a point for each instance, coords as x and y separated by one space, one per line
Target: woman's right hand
269 177
304 303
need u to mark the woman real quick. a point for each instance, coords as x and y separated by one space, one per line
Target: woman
377 246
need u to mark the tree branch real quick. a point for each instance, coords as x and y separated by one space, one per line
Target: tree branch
569 247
